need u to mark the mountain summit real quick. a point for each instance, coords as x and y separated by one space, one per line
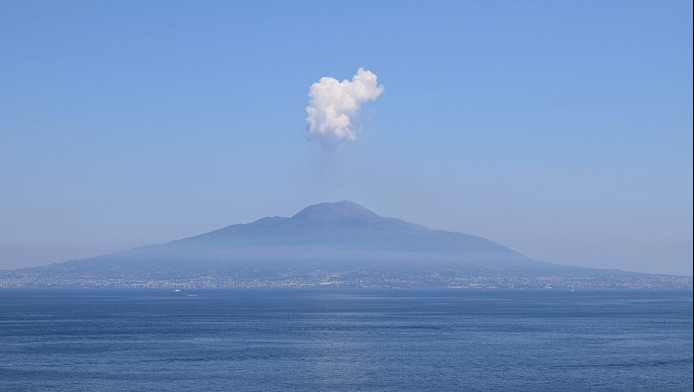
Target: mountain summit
339 209
341 243
341 214
320 219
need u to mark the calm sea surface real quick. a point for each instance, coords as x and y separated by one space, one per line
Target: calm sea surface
344 340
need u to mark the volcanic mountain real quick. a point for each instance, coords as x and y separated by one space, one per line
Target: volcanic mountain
339 241
326 236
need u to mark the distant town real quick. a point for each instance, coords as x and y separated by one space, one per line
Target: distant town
607 279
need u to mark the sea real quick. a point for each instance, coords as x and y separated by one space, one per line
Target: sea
344 340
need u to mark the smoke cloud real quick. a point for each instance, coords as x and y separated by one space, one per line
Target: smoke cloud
333 104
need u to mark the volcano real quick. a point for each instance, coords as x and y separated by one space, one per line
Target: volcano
328 242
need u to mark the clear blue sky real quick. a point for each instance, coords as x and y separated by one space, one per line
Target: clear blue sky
562 129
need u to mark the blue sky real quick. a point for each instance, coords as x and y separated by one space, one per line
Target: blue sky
560 129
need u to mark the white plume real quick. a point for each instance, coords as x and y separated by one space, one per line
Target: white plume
332 105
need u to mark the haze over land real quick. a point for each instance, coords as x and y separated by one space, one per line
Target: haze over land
340 244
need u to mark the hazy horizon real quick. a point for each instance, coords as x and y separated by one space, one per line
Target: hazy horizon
560 130
52 252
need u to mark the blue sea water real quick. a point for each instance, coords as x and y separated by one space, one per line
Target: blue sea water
344 340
